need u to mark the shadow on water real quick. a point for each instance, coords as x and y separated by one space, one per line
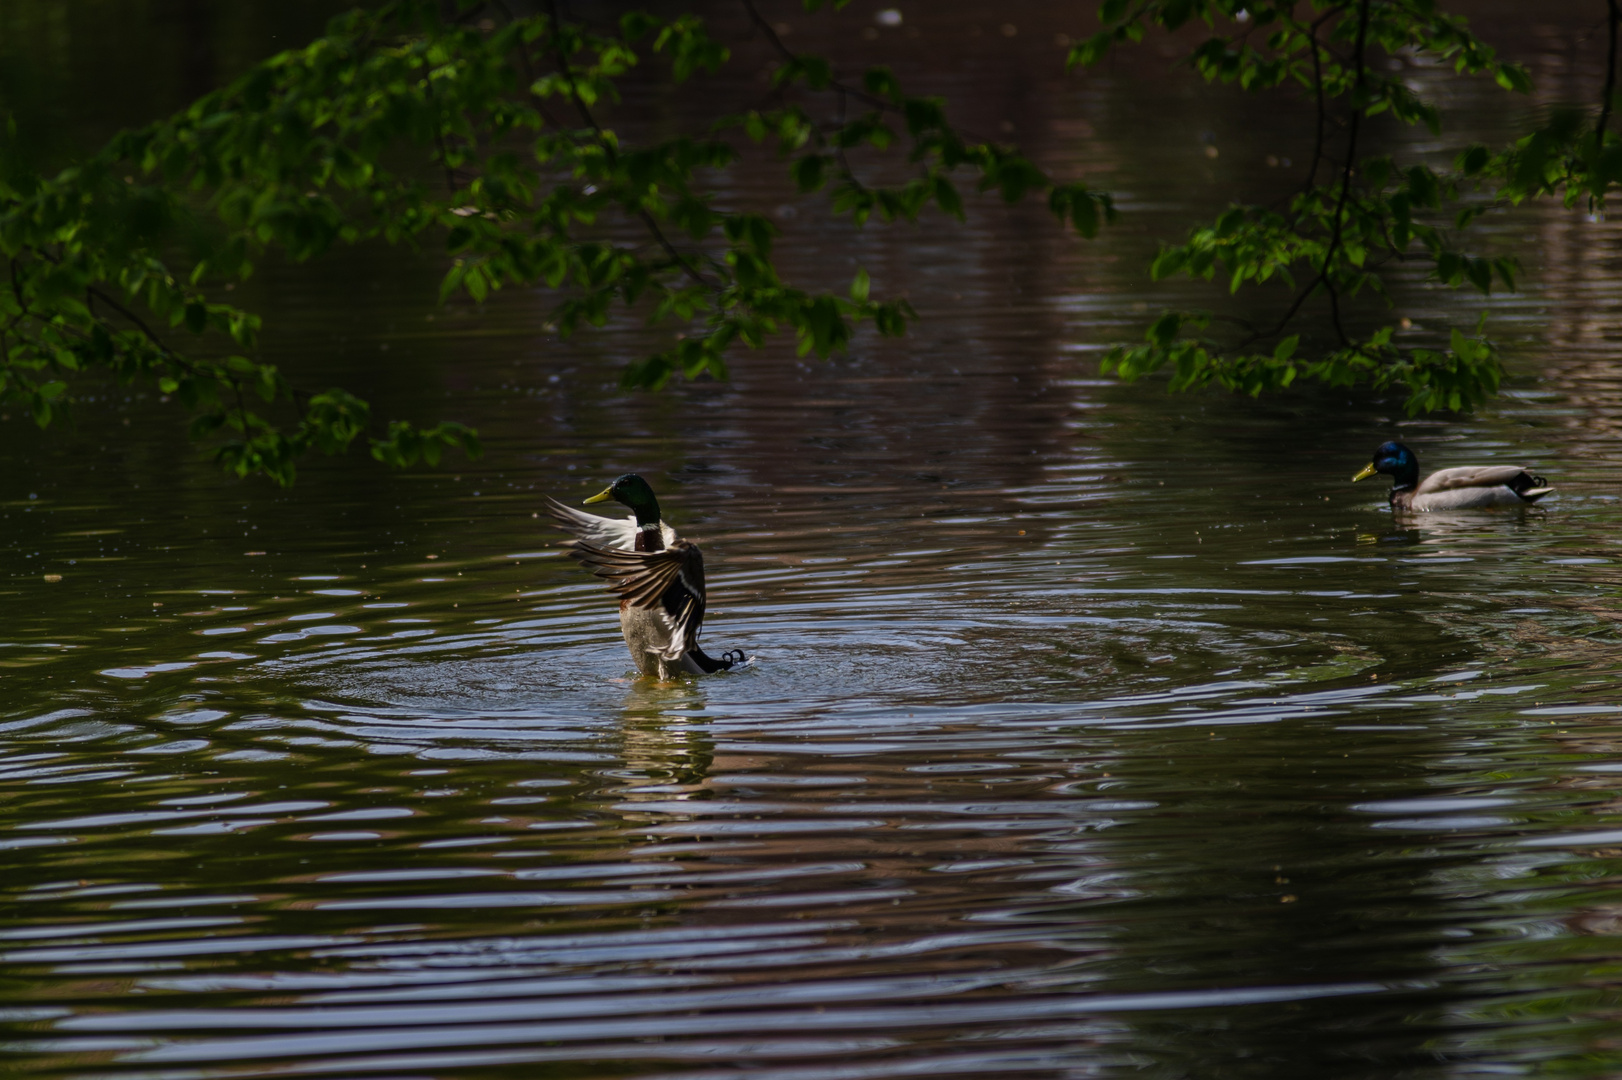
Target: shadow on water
1092 731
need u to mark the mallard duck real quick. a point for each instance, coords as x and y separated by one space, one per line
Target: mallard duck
1467 488
659 578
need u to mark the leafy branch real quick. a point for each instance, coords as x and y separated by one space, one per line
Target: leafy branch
408 126
818 151
1339 241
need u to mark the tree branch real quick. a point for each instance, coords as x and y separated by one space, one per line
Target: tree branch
843 88
439 136
607 144
529 71
1347 168
790 55
1295 306
146 331
1324 276
1614 14
1318 88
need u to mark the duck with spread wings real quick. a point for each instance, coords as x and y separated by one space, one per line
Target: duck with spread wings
658 576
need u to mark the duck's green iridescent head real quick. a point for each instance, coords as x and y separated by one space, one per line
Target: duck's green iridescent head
1396 461
634 492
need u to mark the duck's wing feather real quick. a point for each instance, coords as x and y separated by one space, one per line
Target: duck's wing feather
603 532
593 529
669 582
1513 477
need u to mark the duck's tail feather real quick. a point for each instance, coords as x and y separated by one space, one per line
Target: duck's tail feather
711 664
1530 487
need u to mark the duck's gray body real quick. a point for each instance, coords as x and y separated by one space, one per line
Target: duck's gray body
653 644
1472 488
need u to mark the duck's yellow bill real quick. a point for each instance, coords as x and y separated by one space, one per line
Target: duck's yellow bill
1368 471
602 496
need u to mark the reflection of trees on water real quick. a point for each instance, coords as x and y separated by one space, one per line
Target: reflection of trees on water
1106 868
1295 904
1569 314
1575 261
1579 263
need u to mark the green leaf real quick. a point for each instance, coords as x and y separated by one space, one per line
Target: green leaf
810 171
860 286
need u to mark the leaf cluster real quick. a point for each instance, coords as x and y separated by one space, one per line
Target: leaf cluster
1456 378
1340 239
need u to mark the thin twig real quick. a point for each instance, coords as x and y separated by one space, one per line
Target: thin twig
242 404
1614 14
17 287
839 147
1295 306
146 331
529 69
845 88
607 145
1318 88
677 257
444 159
790 55
439 134
1236 320
845 92
1346 171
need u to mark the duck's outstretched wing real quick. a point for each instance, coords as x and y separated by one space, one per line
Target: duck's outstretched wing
603 532
593 529
670 582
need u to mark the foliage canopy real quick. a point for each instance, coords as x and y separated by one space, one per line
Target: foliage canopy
482 133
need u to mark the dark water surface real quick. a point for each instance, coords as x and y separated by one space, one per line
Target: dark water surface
1092 731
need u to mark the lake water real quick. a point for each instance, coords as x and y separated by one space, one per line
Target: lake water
1091 731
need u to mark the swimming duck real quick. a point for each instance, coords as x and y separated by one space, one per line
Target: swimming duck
1467 488
659 578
